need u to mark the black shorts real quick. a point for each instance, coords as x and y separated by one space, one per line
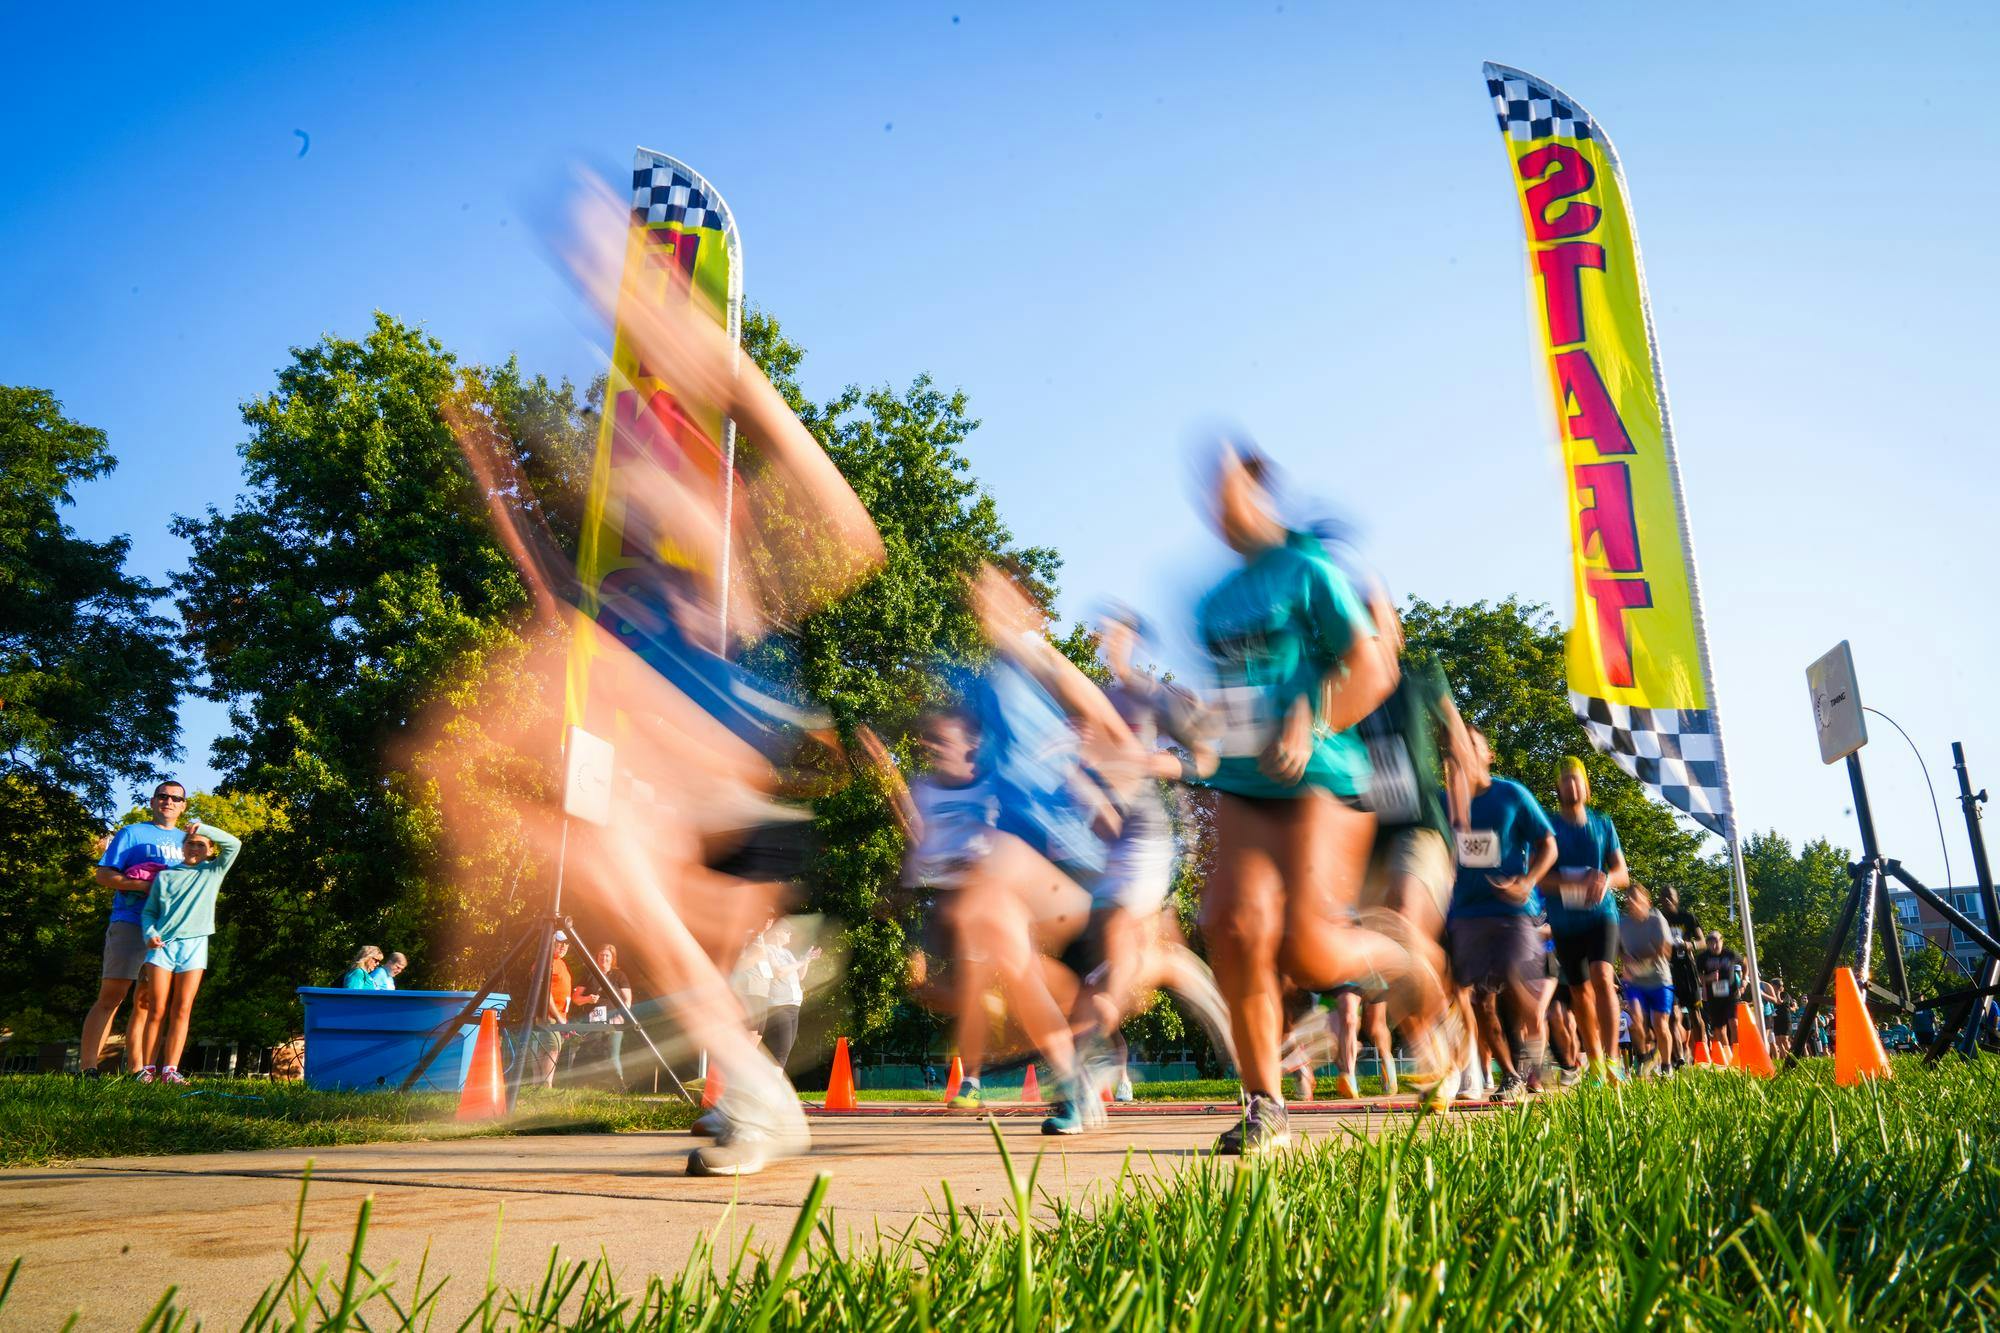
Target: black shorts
1720 1016
773 853
1577 947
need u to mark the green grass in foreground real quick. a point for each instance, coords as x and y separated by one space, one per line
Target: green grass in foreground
47 1118
1706 1201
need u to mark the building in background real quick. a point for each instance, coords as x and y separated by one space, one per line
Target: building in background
1921 924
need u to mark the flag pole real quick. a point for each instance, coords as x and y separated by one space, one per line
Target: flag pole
1732 833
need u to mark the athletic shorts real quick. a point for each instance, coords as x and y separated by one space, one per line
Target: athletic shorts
1487 952
124 950
182 955
1653 1001
773 853
1720 1016
1138 873
1411 852
1578 946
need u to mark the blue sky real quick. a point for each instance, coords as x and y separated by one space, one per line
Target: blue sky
1108 227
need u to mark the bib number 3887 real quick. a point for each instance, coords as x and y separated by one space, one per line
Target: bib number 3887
1479 849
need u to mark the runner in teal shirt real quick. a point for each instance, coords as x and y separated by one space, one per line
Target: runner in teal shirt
1274 629
1298 664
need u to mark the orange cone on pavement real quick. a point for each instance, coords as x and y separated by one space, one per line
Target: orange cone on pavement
1701 1053
711 1086
1750 1057
840 1085
485 1094
1857 1047
1031 1087
953 1079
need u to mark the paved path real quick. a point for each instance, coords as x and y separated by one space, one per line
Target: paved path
106 1238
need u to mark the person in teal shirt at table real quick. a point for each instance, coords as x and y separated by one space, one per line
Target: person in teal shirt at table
175 924
361 972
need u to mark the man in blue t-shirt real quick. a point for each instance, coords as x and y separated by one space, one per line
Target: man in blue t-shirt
131 858
1504 850
1583 915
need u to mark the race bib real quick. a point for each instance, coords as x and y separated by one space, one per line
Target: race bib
1479 849
1247 724
600 1014
1719 989
1393 790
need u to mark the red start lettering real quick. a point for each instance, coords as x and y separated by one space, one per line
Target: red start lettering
1587 408
659 431
673 250
1607 515
1561 268
1559 172
1613 598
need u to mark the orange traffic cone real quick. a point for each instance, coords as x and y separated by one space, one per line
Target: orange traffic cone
1031 1087
711 1086
1701 1053
485 1094
953 1079
1751 1057
1857 1047
840 1085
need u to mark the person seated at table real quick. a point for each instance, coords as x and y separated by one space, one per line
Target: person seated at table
361 972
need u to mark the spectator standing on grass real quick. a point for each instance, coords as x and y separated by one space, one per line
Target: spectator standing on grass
384 977
176 922
548 1044
361 972
598 1008
132 856
786 973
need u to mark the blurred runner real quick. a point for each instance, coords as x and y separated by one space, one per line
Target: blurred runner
1583 916
1298 664
1133 945
712 764
1646 942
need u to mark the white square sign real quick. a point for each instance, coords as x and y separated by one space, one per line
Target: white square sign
1836 702
587 777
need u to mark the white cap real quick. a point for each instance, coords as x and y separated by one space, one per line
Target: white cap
564 938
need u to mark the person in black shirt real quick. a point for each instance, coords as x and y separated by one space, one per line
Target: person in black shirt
1687 994
1715 967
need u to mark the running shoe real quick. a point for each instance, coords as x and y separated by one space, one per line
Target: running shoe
968 1099
738 1151
1123 1092
1512 1089
1345 1087
1263 1128
1068 1117
149 1075
709 1124
173 1075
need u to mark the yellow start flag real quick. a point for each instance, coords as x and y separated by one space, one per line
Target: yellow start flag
682 246
1638 668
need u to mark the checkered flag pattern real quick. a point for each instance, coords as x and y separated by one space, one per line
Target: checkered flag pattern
1531 110
1672 750
662 194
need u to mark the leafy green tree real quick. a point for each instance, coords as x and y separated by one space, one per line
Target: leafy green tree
353 584
90 675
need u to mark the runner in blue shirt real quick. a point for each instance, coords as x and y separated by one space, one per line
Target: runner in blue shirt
1504 850
1583 914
